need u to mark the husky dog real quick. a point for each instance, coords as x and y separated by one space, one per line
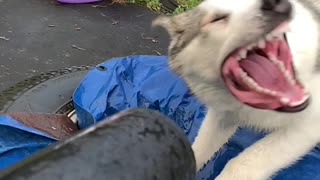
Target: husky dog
254 63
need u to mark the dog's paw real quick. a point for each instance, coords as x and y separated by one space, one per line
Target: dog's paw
238 171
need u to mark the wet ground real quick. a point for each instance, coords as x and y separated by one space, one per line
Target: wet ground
42 35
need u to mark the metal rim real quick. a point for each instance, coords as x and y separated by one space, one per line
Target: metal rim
73 116
69 110
9 95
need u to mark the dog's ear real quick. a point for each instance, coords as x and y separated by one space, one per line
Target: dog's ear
170 23
163 21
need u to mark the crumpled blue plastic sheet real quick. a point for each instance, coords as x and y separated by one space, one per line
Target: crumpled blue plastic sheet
18 141
147 82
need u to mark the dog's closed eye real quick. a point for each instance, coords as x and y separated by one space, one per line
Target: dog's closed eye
220 18
215 21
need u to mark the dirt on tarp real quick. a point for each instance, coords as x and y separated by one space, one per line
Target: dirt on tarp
42 35
56 125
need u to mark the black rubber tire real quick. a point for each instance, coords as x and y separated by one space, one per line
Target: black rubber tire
136 144
45 93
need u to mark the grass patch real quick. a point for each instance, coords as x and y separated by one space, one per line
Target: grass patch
185 5
156 5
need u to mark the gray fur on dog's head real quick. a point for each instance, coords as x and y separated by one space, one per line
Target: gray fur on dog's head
193 39
219 31
198 48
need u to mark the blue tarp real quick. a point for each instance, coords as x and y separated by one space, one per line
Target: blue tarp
18 141
142 81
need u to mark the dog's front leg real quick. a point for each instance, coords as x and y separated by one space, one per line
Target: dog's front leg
212 134
272 153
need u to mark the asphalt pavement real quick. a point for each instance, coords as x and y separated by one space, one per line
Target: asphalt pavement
43 35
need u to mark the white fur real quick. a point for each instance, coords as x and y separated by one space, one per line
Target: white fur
303 39
291 135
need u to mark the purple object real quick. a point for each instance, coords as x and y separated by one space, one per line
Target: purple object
78 1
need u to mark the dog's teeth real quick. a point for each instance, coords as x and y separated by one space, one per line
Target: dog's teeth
293 104
243 53
252 84
259 89
284 101
283 29
238 58
242 73
269 92
282 67
289 78
251 81
286 29
269 37
262 44
273 93
265 91
250 47
274 59
278 35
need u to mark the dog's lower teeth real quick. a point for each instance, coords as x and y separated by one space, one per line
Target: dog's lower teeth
273 93
299 102
284 101
259 89
273 59
252 84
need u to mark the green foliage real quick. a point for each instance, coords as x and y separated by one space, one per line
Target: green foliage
152 4
156 5
186 5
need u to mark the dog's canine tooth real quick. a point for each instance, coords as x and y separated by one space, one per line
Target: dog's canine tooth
262 44
269 37
243 53
238 58
279 36
250 47
285 29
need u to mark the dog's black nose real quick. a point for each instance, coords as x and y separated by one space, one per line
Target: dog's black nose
278 6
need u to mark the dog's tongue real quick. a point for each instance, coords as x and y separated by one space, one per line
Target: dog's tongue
266 75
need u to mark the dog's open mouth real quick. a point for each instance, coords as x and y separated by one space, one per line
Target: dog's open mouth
261 75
